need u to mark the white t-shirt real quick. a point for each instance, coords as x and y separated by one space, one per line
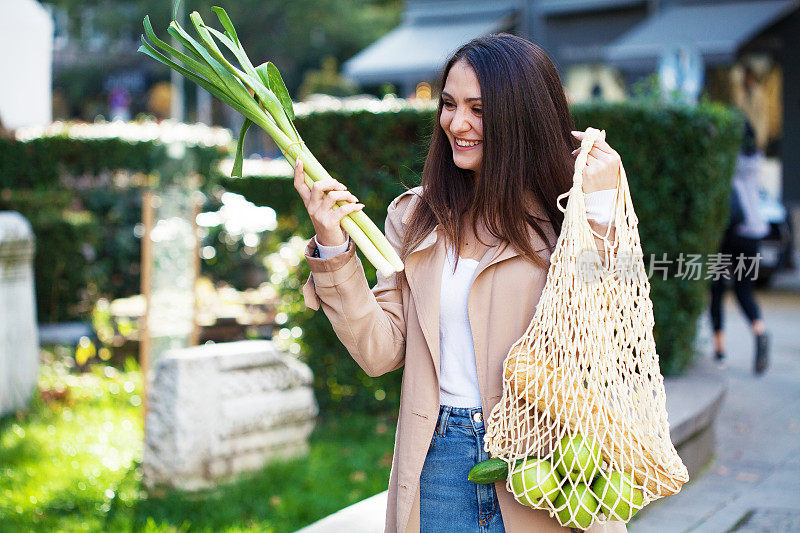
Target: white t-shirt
458 376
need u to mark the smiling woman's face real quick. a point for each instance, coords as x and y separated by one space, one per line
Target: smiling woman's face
461 117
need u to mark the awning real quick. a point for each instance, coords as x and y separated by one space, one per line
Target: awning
412 53
716 31
568 7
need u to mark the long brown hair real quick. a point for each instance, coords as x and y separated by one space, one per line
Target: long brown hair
526 151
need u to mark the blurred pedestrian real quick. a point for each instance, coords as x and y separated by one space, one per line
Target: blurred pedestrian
746 228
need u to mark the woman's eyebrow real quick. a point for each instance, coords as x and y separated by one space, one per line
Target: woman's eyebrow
467 99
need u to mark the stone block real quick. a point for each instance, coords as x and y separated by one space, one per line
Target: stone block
19 337
221 409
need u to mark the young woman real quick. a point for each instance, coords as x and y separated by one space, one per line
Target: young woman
475 238
741 239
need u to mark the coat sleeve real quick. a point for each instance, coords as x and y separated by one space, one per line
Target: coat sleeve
369 322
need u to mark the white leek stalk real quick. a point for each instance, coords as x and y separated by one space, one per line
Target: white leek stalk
260 95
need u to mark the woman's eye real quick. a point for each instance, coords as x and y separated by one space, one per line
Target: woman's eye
477 110
448 105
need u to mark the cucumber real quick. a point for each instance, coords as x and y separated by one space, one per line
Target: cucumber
488 471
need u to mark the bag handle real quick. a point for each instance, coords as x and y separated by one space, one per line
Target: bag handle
589 139
624 219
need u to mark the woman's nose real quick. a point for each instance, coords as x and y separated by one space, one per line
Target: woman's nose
460 122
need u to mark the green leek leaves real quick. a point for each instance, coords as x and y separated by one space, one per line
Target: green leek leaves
260 95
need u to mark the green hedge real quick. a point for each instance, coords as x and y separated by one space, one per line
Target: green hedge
376 155
41 163
83 215
65 245
679 161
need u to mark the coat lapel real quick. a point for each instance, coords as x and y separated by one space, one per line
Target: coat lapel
423 268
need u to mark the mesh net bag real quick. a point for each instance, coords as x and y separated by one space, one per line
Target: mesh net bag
582 423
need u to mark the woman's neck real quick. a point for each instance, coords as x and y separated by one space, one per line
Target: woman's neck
474 245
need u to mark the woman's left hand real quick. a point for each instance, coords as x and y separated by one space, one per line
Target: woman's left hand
602 165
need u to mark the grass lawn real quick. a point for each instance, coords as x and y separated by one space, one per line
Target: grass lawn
72 463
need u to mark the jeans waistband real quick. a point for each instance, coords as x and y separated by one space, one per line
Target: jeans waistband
460 411
464 415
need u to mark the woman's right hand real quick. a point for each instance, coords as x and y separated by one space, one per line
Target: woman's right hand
321 207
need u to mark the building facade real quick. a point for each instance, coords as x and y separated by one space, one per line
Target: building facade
743 53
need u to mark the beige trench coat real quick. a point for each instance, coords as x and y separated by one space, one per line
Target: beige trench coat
384 328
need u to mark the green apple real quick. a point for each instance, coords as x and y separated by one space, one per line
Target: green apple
619 499
576 506
577 458
534 480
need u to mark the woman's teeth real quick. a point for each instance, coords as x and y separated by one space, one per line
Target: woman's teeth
466 144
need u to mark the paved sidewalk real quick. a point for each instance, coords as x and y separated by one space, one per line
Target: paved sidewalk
754 483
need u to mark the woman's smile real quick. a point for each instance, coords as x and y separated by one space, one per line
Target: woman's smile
464 144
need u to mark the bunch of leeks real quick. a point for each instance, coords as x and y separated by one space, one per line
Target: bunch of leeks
260 95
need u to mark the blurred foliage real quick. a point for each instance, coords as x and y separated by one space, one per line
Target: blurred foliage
377 155
83 213
66 244
44 163
297 36
75 451
679 161
72 462
326 80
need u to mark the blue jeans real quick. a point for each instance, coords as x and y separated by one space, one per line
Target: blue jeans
449 502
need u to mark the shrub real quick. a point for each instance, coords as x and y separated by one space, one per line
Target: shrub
379 154
80 187
65 244
679 161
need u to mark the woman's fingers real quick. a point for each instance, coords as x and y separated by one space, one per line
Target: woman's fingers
596 154
300 182
590 156
320 200
600 142
602 164
610 157
600 154
591 160
337 196
341 212
319 189
604 147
